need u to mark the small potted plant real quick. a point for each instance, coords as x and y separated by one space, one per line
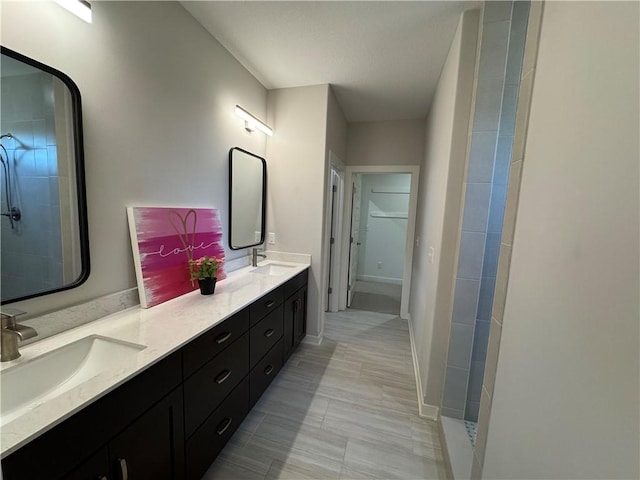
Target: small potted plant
204 270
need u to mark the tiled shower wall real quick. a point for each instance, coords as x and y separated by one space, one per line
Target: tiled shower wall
503 35
33 251
513 192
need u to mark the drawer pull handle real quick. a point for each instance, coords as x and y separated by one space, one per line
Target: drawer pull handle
124 474
224 425
269 332
223 376
270 303
223 337
268 370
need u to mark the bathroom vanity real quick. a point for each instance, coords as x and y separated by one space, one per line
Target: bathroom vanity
202 364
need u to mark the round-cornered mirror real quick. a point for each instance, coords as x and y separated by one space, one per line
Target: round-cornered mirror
247 198
43 224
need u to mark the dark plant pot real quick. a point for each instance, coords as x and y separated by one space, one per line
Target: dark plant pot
207 285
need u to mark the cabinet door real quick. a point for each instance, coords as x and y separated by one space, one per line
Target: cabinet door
295 320
300 316
153 446
95 468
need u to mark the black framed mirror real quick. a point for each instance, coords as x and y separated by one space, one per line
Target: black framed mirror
43 231
247 199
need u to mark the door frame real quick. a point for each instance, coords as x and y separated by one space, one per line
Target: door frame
414 171
332 270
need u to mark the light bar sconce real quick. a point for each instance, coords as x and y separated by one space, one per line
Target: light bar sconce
80 8
251 123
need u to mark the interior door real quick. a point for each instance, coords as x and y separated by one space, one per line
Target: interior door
356 196
332 236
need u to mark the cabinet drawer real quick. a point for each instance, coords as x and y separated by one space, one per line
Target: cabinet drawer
205 444
209 386
209 344
296 283
265 334
266 304
265 371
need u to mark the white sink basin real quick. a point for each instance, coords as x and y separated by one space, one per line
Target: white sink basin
29 384
272 269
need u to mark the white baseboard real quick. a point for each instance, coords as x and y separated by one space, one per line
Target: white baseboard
424 409
312 339
373 278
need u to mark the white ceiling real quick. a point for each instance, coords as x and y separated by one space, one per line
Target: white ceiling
383 58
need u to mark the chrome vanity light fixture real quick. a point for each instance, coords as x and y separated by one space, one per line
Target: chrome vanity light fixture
80 8
251 123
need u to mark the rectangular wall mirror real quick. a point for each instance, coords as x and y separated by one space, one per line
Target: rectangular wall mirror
247 199
43 232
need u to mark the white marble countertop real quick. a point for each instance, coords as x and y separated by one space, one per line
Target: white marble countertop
162 329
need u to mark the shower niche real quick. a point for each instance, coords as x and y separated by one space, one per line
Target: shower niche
43 225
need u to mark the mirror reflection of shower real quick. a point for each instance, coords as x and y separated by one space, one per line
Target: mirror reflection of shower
13 211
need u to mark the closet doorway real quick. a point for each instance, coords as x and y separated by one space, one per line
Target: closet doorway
378 231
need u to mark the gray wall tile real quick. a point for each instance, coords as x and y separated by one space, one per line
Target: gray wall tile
474 391
460 346
488 99
476 207
494 11
491 251
471 253
485 298
471 412
466 301
480 341
455 388
516 42
508 111
503 160
496 209
481 155
493 51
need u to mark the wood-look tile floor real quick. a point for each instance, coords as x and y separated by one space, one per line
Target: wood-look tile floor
346 409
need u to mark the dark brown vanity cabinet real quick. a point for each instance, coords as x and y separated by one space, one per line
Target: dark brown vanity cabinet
172 420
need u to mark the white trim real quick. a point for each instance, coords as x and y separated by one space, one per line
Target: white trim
414 170
334 164
424 409
373 278
313 339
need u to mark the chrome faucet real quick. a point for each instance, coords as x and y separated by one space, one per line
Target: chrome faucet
255 255
11 332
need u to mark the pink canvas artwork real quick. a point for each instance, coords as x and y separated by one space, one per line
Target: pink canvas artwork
163 242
